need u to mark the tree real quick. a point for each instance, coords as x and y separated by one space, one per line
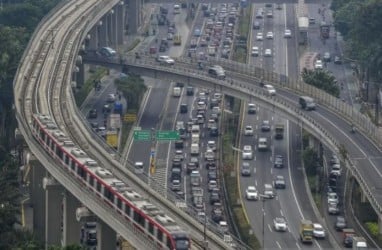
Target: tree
321 79
133 89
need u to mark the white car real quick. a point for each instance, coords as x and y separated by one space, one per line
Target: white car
288 33
251 193
259 36
332 198
270 35
247 152
318 231
268 53
336 170
318 64
255 51
280 224
166 60
270 89
248 130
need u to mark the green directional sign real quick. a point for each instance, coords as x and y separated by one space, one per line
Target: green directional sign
142 135
167 135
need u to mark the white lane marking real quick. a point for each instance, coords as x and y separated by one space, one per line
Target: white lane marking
270 228
256 183
271 171
278 244
298 246
185 189
254 170
281 212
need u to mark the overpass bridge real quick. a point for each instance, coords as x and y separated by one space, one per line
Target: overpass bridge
43 81
331 122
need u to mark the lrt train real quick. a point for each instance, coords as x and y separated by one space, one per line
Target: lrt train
137 210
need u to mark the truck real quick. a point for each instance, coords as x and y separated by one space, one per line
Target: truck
279 131
359 243
118 108
303 25
324 30
176 91
195 138
306 231
177 40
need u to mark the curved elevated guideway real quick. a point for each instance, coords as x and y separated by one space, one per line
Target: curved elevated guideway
42 85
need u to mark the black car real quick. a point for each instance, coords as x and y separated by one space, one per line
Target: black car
183 108
214 132
265 126
191 166
212 175
190 91
179 144
211 165
214 197
92 114
348 241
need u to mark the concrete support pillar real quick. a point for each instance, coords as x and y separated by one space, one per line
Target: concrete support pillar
363 197
134 16
107 237
120 26
37 197
102 33
71 227
110 28
53 211
93 39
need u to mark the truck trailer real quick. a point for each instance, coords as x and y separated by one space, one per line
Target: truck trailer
306 231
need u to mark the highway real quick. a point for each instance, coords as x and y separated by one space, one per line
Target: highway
363 147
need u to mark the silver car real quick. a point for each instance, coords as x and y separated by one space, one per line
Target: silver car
246 169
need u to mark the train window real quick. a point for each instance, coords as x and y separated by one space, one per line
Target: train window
168 242
51 144
109 195
119 203
59 152
127 209
91 181
139 218
81 172
98 187
73 165
160 235
151 228
42 135
66 160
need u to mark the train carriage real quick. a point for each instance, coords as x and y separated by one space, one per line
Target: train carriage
136 209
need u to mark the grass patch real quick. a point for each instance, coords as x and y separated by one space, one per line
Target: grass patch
373 229
240 54
134 44
84 91
229 139
241 44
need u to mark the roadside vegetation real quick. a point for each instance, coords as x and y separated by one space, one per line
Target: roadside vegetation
321 79
229 159
83 91
240 52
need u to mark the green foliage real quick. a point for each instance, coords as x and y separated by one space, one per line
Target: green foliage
373 228
311 161
133 89
321 79
82 93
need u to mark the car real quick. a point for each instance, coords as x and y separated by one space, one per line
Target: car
214 197
318 64
270 13
251 193
111 98
211 145
312 20
175 185
262 144
245 169
247 153
265 126
170 36
334 159
333 198
212 184
166 60
106 108
248 130
256 25
259 36
335 170
179 154
255 51
269 35
318 231
268 53
251 108
270 89
279 161
210 165
197 32
279 182
287 33
212 175
280 224
348 241
340 223
217 71
337 60
333 209
92 114
327 57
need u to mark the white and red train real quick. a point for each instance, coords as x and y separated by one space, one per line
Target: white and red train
145 216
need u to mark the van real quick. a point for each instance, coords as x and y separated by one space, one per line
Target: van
307 103
194 149
183 108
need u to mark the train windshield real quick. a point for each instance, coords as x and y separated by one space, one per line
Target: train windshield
182 244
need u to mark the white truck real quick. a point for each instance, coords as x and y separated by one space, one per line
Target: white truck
195 138
359 243
194 149
176 92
